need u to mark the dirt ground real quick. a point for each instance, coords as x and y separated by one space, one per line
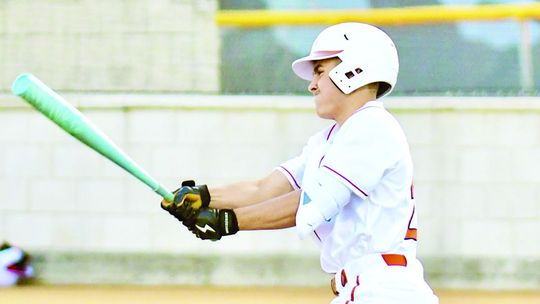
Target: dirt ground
110 294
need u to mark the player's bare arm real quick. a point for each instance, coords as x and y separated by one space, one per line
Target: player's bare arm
190 198
267 203
275 213
250 192
211 223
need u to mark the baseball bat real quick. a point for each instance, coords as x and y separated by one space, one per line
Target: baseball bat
67 117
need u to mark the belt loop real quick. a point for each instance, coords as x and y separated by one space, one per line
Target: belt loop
338 282
343 278
334 287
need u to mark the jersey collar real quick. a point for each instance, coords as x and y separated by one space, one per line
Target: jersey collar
369 104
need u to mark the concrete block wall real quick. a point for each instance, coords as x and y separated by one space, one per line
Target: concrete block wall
477 175
113 46
80 200
476 181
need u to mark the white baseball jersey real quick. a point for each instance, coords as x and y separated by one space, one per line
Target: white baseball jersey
369 154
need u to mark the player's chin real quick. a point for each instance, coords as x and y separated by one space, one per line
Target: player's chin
324 115
322 112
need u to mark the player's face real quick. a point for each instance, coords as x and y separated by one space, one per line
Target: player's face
327 95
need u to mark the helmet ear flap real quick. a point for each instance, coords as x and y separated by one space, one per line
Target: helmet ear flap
347 77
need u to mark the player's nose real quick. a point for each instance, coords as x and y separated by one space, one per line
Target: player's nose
312 87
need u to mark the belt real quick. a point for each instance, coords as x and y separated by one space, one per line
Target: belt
389 259
394 259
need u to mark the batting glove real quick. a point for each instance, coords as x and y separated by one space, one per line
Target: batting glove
188 199
212 224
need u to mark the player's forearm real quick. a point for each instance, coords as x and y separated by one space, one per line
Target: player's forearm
249 192
235 195
275 213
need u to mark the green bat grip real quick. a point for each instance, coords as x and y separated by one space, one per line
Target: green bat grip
67 117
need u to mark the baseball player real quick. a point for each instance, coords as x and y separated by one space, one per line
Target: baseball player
351 188
14 265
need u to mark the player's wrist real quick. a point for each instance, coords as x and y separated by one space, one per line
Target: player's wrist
212 224
228 222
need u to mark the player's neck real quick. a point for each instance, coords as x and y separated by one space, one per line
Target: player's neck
352 103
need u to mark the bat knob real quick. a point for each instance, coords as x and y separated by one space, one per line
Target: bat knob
21 84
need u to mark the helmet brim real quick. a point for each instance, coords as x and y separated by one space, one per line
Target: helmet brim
303 67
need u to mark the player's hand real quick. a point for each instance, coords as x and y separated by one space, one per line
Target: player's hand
212 224
188 199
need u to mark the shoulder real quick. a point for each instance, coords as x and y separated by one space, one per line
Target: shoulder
373 127
372 121
323 135
371 114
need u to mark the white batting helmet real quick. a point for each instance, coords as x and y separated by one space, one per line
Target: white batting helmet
367 55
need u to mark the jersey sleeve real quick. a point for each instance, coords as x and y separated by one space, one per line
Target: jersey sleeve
369 143
294 168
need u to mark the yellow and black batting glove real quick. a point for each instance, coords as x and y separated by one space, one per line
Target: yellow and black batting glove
188 199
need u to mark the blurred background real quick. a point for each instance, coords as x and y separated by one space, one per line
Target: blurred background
458 58
192 93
